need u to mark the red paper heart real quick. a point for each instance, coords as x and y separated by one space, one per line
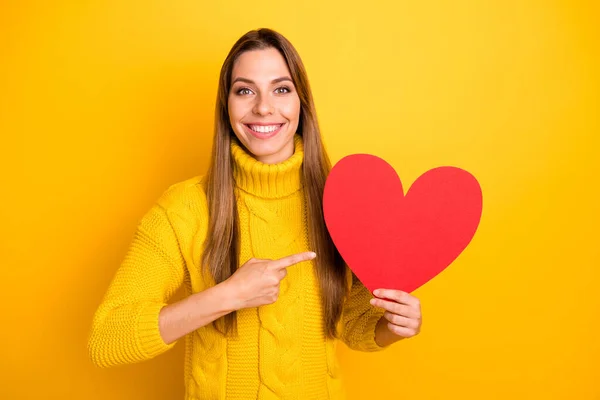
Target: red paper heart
394 241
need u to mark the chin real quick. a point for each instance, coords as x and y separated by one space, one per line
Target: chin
263 149
267 149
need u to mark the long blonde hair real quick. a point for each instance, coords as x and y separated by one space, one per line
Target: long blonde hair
222 244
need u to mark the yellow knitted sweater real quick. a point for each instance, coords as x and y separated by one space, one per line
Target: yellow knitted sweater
281 351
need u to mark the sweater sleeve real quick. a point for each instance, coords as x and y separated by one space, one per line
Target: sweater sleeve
359 319
125 326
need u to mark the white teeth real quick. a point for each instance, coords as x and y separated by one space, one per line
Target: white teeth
264 128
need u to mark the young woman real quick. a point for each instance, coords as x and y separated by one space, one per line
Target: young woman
268 295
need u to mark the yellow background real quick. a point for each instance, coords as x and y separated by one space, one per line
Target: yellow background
103 104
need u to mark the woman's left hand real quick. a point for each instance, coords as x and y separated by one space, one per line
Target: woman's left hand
403 311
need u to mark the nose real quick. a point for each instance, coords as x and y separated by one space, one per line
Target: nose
263 106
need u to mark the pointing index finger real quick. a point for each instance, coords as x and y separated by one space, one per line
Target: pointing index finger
292 260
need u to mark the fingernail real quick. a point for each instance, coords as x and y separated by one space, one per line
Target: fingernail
313 254
373 301
377 292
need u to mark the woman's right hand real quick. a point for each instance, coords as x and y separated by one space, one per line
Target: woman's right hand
256 283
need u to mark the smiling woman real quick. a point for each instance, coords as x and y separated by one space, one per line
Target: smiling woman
268 294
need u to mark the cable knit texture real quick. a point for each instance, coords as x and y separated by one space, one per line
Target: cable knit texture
281 351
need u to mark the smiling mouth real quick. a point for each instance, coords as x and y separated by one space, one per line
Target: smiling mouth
264 128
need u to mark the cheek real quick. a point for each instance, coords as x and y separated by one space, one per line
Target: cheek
230 110
236 110
291 109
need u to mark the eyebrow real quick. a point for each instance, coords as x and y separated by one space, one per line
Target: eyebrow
249 81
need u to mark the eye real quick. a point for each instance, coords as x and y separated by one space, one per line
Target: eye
283 90
243 91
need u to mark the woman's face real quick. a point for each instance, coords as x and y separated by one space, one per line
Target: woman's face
264 107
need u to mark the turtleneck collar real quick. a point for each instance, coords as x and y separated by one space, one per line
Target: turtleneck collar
268 180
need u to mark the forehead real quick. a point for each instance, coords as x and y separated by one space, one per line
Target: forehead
260 65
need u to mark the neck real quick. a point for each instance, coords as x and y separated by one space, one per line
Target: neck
279 157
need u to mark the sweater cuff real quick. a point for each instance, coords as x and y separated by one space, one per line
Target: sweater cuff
368 334
150 341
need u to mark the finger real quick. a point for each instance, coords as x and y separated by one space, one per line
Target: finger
282 273
397 295
401 330
254 260
396 308
401 321
292 260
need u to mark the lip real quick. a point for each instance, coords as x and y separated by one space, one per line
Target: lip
266 135
264 123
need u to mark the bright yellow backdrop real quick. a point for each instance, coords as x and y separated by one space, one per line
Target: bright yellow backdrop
103 104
